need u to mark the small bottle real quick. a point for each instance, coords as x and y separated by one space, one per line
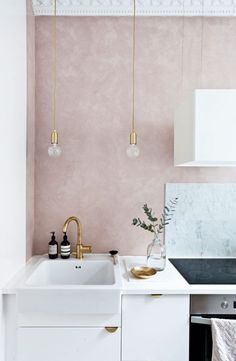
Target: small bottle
53 247
65 247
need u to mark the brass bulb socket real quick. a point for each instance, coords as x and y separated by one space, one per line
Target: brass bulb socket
133 138
54 137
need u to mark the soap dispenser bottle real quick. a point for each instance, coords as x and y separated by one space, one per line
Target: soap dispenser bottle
65 247
53 247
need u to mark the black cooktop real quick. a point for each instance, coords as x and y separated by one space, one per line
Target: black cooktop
207 271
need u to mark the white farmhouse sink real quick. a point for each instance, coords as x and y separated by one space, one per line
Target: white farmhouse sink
89 286
73 272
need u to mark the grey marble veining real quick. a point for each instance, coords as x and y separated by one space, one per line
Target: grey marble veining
204 224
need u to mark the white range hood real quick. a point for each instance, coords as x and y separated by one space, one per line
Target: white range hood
205 129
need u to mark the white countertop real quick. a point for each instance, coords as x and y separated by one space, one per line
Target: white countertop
168 281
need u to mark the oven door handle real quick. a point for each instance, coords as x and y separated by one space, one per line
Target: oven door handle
201 320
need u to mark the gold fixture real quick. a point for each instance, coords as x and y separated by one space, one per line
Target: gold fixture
133 135
111 329
54 149
156 295
133 138
54 137
80 248
133 150
143 272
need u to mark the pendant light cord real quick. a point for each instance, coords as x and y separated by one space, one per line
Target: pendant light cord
133 66
54 65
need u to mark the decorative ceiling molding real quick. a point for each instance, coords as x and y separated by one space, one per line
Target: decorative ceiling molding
144 7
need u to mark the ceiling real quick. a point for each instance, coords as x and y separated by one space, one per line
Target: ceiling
144 7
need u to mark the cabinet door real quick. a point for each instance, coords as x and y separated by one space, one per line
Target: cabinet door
155 328
72 344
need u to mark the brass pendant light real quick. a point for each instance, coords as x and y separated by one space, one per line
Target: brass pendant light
133 150
54 150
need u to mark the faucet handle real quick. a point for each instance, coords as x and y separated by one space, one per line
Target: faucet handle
86 249
81 249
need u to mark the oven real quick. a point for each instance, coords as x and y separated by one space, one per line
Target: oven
202 309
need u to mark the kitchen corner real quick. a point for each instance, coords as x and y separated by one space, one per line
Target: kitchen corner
117 184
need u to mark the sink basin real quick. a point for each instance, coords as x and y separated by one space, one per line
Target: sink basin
73 272
89 286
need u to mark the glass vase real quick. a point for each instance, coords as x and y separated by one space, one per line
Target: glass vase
156 254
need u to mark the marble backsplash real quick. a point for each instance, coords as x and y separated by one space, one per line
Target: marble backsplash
204 224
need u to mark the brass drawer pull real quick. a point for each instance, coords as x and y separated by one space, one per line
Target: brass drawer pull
111 329
157 295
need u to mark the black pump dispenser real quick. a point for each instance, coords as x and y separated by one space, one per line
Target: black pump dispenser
65 247
53 247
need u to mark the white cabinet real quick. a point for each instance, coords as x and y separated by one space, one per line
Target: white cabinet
61 337
205 129
151 329
155 328
72 344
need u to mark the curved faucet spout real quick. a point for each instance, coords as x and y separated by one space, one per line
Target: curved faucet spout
77 221
80 248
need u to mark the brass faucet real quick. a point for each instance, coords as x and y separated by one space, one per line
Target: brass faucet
80 248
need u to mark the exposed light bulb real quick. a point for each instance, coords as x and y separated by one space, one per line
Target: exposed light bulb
133 151
54 150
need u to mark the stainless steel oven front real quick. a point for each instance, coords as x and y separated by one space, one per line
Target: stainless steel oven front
202 309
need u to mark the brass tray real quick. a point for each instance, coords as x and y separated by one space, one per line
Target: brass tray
143 272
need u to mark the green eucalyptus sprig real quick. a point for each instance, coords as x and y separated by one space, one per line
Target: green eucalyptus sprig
156 225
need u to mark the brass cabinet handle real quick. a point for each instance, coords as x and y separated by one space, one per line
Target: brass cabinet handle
111 329
157 295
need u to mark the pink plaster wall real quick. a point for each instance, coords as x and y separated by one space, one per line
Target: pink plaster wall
94 179
30 129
